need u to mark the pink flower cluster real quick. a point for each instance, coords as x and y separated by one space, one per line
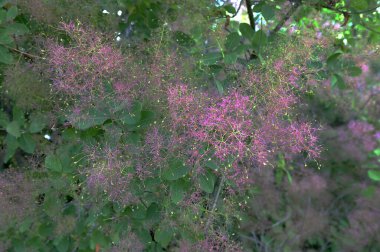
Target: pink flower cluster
236 126
82 67
227 126
108 175
364 132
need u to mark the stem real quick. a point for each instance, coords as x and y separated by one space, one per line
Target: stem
238 9
248 3
214 204
28 55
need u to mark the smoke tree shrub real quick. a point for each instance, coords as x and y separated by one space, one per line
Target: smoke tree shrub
196 134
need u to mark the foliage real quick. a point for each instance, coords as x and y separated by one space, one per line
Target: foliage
175 126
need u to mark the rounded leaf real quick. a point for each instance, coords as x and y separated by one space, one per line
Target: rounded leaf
27 143
163 235
53 163
207 181
247 31
5 56
177 169
374 175
13 128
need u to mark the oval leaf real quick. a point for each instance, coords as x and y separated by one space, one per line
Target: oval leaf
53 163
177 169
5 56
374 175
163 236
27 143
207 181
13 128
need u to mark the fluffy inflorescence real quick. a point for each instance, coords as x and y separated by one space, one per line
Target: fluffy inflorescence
236 127
108 175
356 139
227 126
82 67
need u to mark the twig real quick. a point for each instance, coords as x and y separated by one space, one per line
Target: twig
250 13
28 55
238 9
287 216
214 204
369 28
142 202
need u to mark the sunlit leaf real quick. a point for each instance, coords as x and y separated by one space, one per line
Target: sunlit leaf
374 175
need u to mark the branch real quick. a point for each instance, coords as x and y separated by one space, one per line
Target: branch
238 9
250 14
28 55
369 28
291 11
214 204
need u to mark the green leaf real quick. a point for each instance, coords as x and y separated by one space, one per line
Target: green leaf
211 58
178 189
268 11
230 9
377 152
146 117
133 138
37 124
337 81
258 7
18 115
259 40
133 116
11 147
183 39
153 213
93 117
230 58
5 38
207 181
5 56
53 163
4 119
219 86
17 29
12 13
177 169
138 212
3 16
354 71
163 235
13 128
332 59
211 164
232 41
359 5
144 235
374 175
247 31
62 244
100 238
27 143
369 191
